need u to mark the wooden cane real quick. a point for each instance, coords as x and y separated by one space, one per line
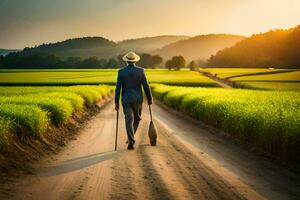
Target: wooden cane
117 125
150 112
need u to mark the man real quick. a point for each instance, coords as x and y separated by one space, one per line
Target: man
131 79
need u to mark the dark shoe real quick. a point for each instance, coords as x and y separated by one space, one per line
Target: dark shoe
130 146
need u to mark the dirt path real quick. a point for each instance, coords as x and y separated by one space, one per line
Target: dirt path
189 162
221 82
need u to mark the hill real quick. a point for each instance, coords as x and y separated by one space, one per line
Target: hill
148 44
276 49
202 46
82 47
4 52
101 47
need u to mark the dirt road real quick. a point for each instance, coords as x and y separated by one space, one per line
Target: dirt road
190 162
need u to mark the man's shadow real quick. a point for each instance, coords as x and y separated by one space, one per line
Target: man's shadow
77 164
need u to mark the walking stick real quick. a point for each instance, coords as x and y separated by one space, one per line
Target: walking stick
150 113
117 125
152 133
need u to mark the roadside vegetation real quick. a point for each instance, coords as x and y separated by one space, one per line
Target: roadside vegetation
26 112
94 77
265 119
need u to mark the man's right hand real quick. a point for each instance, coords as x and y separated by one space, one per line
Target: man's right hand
117 107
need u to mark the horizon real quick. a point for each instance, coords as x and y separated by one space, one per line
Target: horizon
30 23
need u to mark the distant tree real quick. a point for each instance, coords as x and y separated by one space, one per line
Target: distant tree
178 62
92 62
112 63
50 61
73 62
120 60
2 62
169 65
103 63
156 60
192 65
146 60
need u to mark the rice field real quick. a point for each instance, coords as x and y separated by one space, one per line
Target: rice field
57 77
271 85
269 120
278 81
284 77
183 77
94 77
229 72
260 78
26 112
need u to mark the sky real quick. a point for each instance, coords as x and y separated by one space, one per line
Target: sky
25 23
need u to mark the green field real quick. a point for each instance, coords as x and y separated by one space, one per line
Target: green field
270 79
95 77
267 119
229 72
26 112
271 85
279 81
278 77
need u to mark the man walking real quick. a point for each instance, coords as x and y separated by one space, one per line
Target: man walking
131 79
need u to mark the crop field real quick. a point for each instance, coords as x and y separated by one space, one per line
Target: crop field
28 111
267 119
57 77
95 77
183 77
229 72
270 79
284 77
278 81
271 85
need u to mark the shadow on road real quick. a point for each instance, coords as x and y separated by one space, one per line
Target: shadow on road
77 164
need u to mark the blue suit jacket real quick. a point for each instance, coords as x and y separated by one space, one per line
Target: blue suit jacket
131 79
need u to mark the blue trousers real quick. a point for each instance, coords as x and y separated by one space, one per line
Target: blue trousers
132 112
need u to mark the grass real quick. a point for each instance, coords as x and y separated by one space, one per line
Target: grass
279 81
5 132
265 119
228 72
260 78
183 77
284 77
27 120
59 109
94 77
90 94
28 111
271 85
57 77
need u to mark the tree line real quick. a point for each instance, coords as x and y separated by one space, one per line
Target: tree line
21 60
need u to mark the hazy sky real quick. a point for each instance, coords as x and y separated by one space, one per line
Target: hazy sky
30 22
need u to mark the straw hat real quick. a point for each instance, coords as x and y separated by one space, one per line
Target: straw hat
131 57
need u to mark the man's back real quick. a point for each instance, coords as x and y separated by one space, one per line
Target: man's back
131 79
